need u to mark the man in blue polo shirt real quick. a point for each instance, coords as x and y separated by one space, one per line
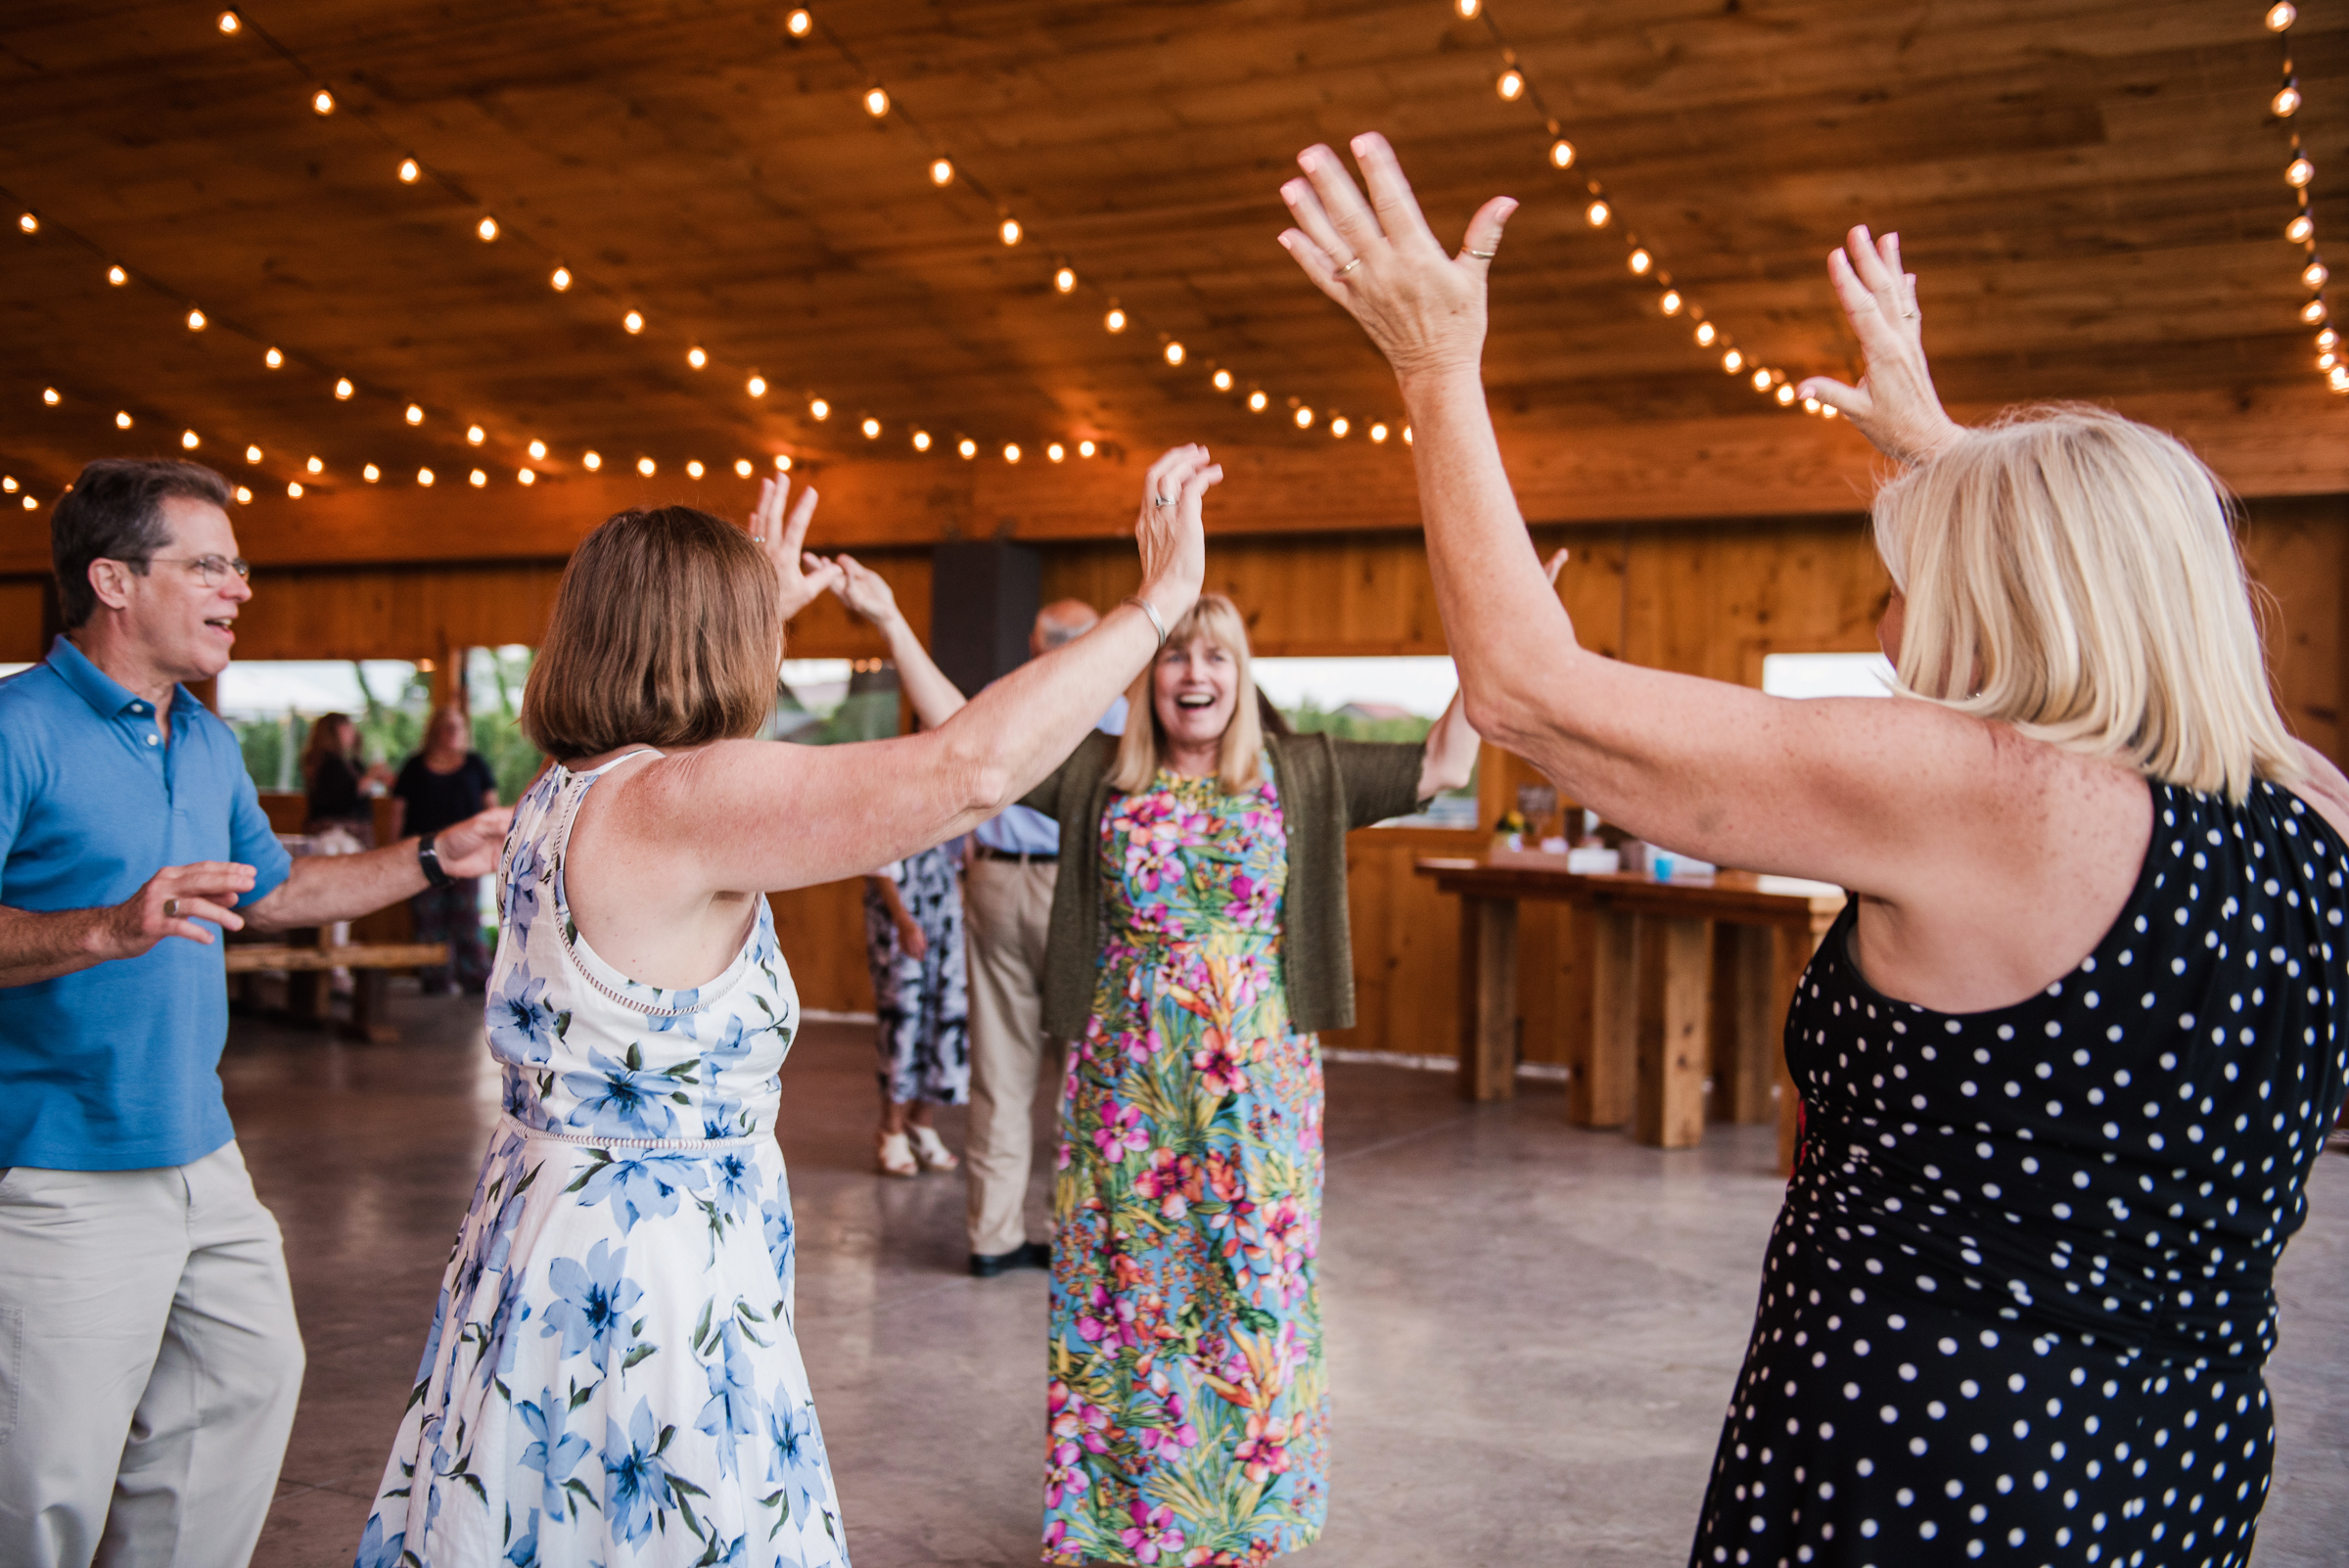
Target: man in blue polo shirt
149 1357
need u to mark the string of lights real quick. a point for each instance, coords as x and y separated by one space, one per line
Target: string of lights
2300 174
1011 231
630 310
1515 85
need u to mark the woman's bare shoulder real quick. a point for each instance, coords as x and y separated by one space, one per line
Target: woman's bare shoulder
2324 787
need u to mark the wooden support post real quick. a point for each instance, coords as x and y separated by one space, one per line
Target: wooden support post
1746 1079
1577 1040
1676 981
1488 998
1603 1096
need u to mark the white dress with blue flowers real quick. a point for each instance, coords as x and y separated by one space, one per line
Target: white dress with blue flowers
611 1376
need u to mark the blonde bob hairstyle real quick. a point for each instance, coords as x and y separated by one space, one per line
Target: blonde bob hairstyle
2081 569
1144 743
665 632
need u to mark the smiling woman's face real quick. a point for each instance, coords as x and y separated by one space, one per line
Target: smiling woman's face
1194 688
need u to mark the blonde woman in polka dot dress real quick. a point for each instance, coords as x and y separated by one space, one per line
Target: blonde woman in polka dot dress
2068 1055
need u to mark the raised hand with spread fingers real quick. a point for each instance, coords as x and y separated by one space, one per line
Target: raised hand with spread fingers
801 577
1895 406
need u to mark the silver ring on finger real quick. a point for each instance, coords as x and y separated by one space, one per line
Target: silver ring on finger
171 908
1350 266
1162 500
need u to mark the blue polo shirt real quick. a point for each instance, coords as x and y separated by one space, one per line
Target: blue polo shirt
117 1067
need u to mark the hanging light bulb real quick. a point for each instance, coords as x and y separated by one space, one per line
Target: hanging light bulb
253 455
1812 405
2327 338
51 396
409 169
424 477
755 385
1467 9
525 476
1339 426
942 172
1407 434
2326 360
2313 275
477 479
230 21
872 429
1115 321
2299 171
1671 302
415 415
1174 353
2338 381
560 277
1510 85
1760 381
2314 311
538 451
876 102
693 468
634 321
1705 335
1733 361
117 276
967 447
273 360
1561 153
122 421
797 24
819 408
1065 279
1304 418
1056 452
344 389
322 102
293 488
591 461
316 465
1010 231
1222 381
1641 261
1085 449
474 434
1598 212
1785 393
921 440
244 497
2286 102
1378 431
196 321
371 472
2282 15
8 484
1011 453
782 462
1256 402
486 228
742 468
2300 228
190 440
646 467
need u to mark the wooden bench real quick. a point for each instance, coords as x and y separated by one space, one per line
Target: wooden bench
306 965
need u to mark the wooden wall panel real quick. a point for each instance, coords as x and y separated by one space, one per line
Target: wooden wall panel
20 640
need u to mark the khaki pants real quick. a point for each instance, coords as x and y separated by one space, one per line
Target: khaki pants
1009 906
149 1365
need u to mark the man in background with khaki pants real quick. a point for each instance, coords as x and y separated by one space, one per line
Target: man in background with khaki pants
1007 894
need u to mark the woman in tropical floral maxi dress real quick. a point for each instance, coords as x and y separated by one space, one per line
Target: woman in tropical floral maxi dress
610 1375
1198 941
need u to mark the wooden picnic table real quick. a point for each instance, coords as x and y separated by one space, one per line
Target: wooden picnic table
1652 947
304 965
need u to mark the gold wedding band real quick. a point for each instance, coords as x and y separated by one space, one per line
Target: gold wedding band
171 908
1481 256
1350 266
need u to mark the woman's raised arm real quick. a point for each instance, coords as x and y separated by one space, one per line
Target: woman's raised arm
754 816
1858 791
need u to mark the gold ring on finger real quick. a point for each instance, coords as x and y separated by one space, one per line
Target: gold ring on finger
1350 266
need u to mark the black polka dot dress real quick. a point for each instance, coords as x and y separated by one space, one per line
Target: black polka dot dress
2015 1307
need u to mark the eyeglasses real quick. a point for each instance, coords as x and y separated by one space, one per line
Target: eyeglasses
213 569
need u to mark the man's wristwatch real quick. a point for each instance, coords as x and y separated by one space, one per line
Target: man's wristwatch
429 859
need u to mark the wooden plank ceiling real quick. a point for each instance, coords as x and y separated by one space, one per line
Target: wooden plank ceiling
2092 190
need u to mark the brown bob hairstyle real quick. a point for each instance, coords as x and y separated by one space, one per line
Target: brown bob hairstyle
665 632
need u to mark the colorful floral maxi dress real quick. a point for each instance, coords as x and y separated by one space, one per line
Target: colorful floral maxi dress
1188 1404
611 1376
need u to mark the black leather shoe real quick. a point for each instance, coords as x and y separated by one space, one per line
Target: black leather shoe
1026 1255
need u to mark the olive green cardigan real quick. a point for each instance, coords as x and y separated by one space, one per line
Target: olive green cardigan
1327 788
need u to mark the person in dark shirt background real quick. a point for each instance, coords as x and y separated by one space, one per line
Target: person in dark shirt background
443 784
336 779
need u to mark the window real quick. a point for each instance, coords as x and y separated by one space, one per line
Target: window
271 704
826 702
1380 698
1826 674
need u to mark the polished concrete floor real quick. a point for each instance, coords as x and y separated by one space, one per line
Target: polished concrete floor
1533 1328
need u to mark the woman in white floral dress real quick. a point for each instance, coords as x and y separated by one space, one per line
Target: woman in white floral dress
610 1375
